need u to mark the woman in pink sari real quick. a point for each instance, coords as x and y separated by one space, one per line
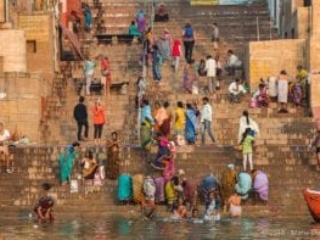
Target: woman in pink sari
260 184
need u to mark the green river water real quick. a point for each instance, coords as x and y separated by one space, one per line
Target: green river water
117 227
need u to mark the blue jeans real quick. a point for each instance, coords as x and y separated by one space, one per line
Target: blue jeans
206 127
156 71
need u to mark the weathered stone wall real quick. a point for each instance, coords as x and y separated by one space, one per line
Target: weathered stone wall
22 106
13 50
268 58
40 43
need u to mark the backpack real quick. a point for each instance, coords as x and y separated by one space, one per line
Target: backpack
188 32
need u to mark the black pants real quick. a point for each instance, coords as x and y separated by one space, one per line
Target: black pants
188 47
86 129
98 131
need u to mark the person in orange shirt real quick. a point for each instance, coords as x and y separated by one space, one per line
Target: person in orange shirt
99 119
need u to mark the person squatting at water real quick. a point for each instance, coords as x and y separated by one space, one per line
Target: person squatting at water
44 206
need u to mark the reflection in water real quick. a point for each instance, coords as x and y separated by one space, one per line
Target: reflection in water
117 227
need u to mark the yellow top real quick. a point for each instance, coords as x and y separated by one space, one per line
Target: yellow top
180 119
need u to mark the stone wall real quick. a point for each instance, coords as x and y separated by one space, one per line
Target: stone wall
22 106
13 50
40 43
268 58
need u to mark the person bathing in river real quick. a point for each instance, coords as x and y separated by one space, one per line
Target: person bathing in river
44 206
212 209
234 205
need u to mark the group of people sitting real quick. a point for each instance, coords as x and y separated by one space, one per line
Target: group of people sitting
280 89
182 195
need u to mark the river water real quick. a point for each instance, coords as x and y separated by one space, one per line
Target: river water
117 227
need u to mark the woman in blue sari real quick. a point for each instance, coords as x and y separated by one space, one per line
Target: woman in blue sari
66 162
191 125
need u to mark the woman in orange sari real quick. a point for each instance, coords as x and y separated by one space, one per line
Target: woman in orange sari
160 116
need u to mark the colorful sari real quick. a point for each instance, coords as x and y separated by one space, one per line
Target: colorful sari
296 93
137 182
159 189
66 162
244 185
228 182
163 150
169 169
145 135
261 185
141 21
113 160
190 192
124 187
191 126
160 117
180 122
263 98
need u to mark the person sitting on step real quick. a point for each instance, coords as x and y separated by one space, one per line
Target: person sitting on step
233 63
133 30
4 149
161 14
236 90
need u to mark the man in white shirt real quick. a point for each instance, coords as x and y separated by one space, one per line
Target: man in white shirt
4 150
211 69
233 63
206 119
236 90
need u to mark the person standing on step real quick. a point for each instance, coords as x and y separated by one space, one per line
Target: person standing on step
88 70
176 54
156 62
283 91
215 35
87 16
211 69
247 143
206 120
180 119
66 162
105 72
247 122
113 157
189 38
99 119
80 114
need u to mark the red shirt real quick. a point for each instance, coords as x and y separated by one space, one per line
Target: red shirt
176 48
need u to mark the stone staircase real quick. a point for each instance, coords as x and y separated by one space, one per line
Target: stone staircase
281 150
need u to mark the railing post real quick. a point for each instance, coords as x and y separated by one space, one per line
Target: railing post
258 32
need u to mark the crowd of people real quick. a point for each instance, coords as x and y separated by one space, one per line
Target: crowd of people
182 195
172 188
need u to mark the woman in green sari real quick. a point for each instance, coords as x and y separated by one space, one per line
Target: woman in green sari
66 162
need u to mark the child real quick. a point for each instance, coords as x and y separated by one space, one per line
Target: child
176 54
315 144
212 210
247 146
